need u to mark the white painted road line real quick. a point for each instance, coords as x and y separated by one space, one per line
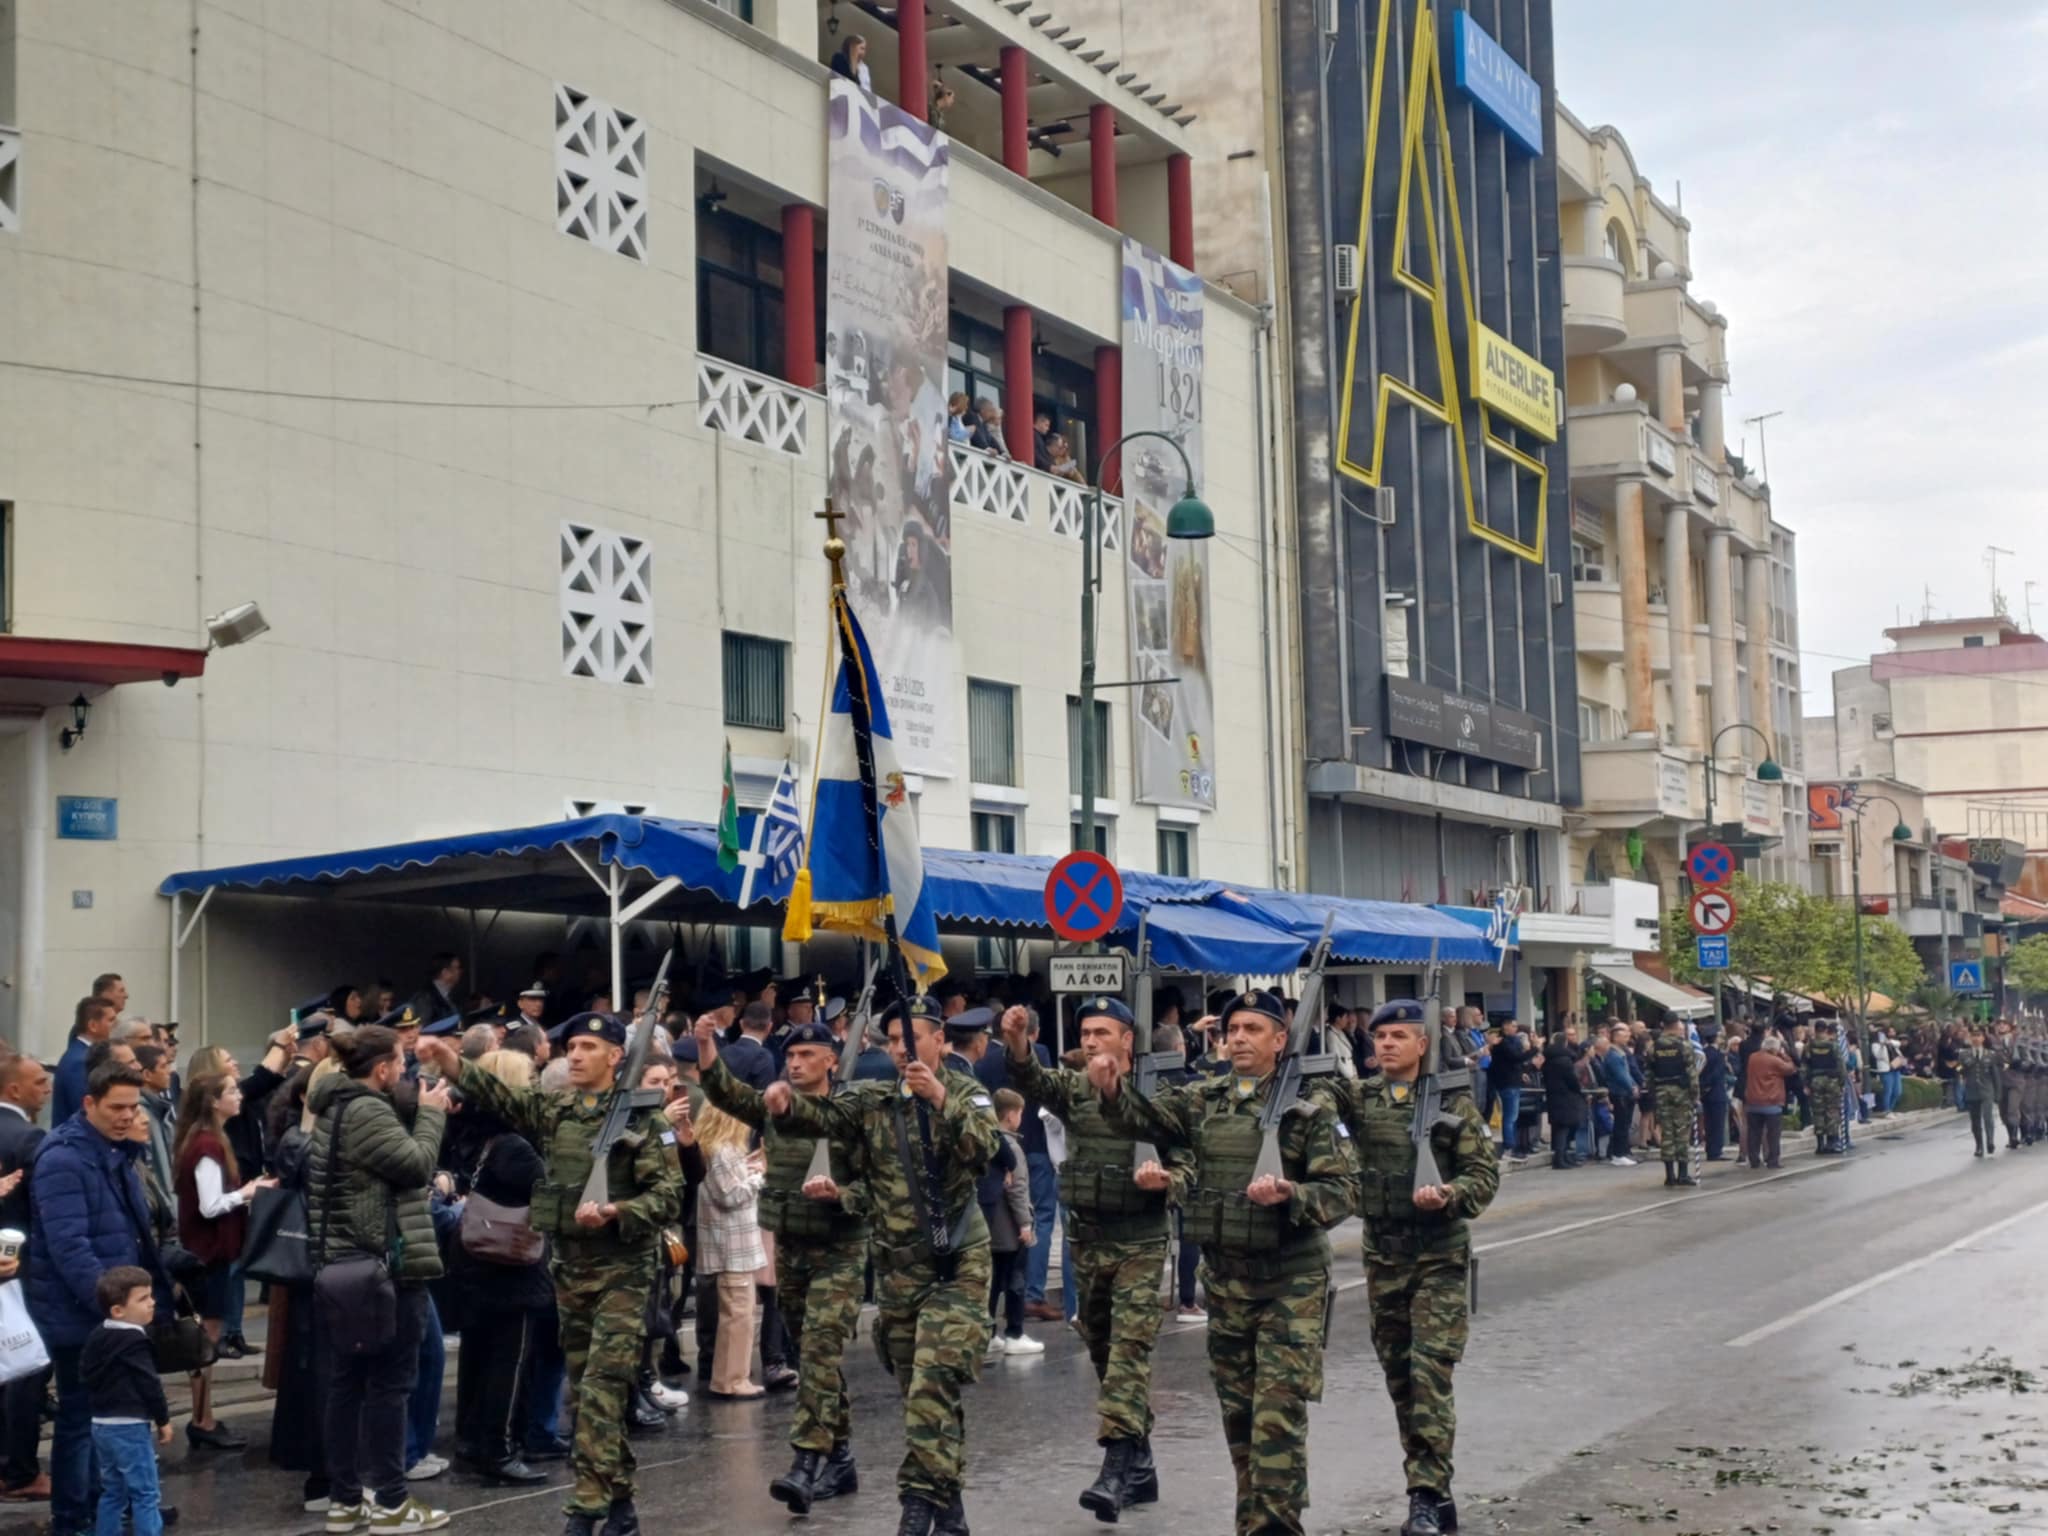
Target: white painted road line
1721 1186
1793 1319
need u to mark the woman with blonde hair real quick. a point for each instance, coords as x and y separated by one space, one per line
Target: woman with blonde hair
729 1247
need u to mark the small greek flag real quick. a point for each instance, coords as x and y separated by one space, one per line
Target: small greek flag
776 852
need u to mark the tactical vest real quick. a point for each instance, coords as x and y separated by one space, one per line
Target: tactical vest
560 1189
1096 1184
1822 1059
1239 1236
1670 1062
1383 1135
786 1210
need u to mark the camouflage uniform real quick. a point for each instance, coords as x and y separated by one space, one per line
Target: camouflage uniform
1674 1073
821 1249
1117 1236
1265 1270
2012 1089
932 1319
1416 1261
1980 1076
602 1275
1823 1067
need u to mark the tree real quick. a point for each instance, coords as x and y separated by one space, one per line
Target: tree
2027 966
1781 941
1890 963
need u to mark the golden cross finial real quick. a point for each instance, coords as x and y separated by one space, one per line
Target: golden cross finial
835 546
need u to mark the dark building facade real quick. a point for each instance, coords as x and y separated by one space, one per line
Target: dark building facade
1432 496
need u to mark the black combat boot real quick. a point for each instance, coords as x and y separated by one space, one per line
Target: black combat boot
952 1520
1422 1516
624 1520
1670 1174
798 1486
1447 1513
836 1475
919 1516
1110 1491
1141 1483
1685 1178
578 1524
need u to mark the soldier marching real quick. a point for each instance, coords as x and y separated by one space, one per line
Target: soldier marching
1675 1084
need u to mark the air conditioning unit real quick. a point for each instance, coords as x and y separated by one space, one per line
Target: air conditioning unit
1556 589
1329 16
1380 509
1346 274
1591 573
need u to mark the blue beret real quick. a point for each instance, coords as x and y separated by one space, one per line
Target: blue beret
1105 1008
1268 1005
608 1027
1402 1010
685 1048
813 1033
919 1007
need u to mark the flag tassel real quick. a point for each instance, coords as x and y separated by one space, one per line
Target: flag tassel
796 922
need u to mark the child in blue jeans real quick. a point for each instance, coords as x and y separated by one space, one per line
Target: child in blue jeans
127 1396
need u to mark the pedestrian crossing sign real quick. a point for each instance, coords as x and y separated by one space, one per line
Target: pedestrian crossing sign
1966 976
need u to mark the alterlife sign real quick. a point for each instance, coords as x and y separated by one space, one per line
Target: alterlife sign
1500 87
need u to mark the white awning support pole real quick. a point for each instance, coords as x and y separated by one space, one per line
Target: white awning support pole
641 903
181 935
616 886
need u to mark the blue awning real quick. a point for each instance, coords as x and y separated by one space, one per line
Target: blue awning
1368 932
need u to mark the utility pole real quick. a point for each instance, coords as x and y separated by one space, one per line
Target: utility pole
2027 601
1991 554
1763 446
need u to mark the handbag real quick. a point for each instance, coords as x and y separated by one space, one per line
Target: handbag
497 1234
21 1347
179 1342
277 1250
357 1298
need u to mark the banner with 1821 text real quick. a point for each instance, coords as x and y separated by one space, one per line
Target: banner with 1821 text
1174 709
885 384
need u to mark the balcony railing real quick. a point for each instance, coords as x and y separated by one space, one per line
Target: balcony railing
10 180
754 408
983 482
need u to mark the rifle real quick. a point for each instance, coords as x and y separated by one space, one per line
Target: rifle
1148 1064
627 1097
1296 1064
849 1055
1437 1078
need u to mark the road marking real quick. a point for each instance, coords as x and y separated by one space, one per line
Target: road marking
1793 1319
1722 1187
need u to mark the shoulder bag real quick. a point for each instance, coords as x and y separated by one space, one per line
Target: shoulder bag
357 1297
498 1234
276 1250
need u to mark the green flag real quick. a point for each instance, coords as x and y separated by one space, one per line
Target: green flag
728 821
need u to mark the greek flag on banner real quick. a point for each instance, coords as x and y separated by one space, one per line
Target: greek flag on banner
777 850
864 862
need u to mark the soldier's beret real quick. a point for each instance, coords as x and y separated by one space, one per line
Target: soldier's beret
813 1033
608 1027
1267 1005
1402 1010
1105 1008
685 1048
922 1006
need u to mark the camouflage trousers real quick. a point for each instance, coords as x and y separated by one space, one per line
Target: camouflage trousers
1419 1323
1266 1358
603 1310
1116 1292
1675 1108
1825 1095
818 1289
931 1334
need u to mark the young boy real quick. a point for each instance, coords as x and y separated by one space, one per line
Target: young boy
1004 1193
127 1398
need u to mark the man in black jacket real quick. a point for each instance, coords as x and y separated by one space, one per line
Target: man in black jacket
24 1089
1715 1080
1505 1062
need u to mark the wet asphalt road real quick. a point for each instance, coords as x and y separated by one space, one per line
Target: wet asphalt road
1696 1362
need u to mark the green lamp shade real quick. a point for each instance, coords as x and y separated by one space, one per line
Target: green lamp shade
1902 833
1191 519
1769 771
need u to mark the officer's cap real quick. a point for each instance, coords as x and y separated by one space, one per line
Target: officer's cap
320 1004
922 1006
443 1026
835 1008
608 1027
404 1016
1402 1010
1267 1005
970 1021
314 1025
813 1033
490 1013
1105 1008
536 990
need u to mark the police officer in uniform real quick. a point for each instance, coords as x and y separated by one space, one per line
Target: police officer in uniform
1675 1089
821 1248
924 1141
603 1256
1417 1249
1265 1248
1979 1072
1117 1237
1824 1068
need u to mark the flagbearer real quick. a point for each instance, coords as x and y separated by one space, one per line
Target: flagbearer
1117 1232
924 1141
821 1249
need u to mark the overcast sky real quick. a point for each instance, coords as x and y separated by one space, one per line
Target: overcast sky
1869 205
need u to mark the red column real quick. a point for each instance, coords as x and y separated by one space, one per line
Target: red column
799 298
913 77
1109 414
1016 112
1017 382
1102 162
1180 211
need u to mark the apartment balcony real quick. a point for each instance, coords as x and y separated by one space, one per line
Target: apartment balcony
1924 919
1607 440
1628 783
1746 509
1595 313
1596 620
1660 313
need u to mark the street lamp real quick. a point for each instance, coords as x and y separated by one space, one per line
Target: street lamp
1901 833
1189 518
1767 771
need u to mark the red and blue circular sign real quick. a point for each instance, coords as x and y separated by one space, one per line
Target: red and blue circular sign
1084 896
1710 864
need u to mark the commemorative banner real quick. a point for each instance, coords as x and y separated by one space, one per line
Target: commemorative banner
1174 711
885 387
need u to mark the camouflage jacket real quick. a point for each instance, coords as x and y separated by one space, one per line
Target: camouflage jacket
1070 1096
1380 1115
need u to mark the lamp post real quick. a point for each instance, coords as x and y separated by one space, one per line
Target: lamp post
1190 518
1768 772
1901 833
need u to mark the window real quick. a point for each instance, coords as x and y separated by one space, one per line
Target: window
1062 388
1616 246
739 290
1592 722
991 733
995 832
1102 828
1102 786
753 682
1971 642
1589 561
974 359
1176 851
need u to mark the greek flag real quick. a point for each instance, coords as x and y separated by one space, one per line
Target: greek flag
865 871
777 849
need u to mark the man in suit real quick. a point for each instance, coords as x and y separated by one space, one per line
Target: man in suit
748 1058
24 1089
443 994
91 1022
